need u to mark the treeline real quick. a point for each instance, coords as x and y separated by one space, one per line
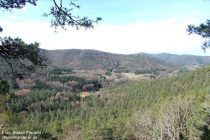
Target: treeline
59 71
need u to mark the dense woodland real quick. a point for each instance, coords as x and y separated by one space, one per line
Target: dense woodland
92 95
176 107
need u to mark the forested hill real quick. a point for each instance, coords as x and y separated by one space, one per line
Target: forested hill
171 108
182 60
92 59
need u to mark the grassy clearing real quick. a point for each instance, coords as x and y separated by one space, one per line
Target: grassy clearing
133 76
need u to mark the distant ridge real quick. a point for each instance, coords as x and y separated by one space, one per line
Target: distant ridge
182 60
93 59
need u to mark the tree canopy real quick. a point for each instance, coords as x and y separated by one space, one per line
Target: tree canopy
28 55
61 14
203 30
1 29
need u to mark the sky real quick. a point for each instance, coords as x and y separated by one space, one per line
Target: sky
128 27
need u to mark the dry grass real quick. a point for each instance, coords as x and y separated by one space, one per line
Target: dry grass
22 92
85 94
133 76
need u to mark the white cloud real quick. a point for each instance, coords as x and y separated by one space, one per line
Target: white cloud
12 17
152 37
24 9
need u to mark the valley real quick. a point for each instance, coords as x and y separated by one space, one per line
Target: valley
93 95
104 70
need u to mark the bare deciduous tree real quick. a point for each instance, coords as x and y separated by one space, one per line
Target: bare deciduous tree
174 121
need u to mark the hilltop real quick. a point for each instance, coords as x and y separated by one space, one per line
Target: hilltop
92 59
182 60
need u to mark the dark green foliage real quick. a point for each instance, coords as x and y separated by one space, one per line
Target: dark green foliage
44 109
111 118
82 83
41 85
59 71
97 84
40 108
4 95
61 14
148 71
206 133
68 78
39 97
107 134
26 55
110 114
42 100
203 30
47 136
108 73
1 29
18 4
20 57
121 69
4 87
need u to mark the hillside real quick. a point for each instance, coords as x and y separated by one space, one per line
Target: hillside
182 60
170 108
92 59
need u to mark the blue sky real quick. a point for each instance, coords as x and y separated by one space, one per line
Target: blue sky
127 11
127 26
